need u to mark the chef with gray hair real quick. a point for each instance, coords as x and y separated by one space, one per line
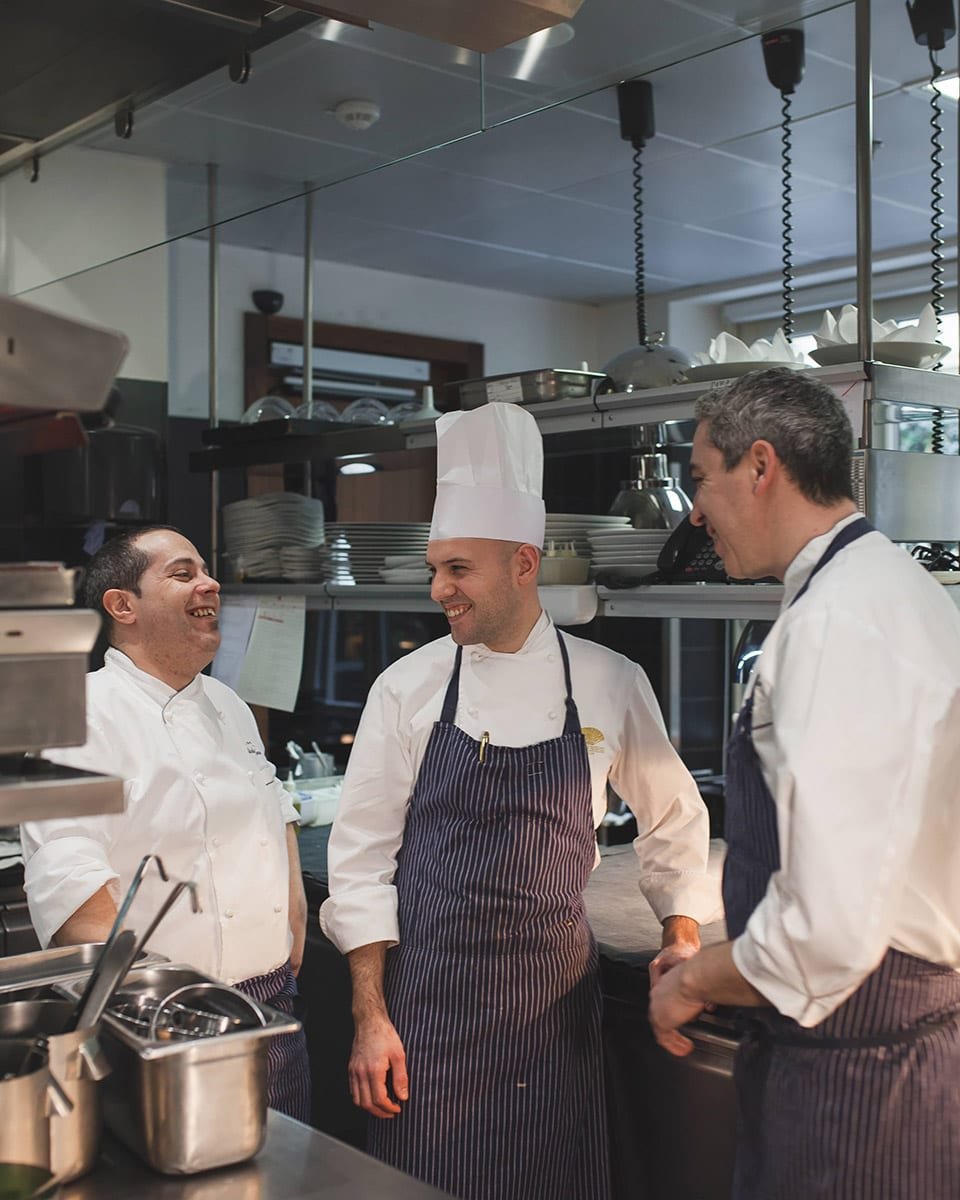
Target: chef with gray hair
465 839
842 876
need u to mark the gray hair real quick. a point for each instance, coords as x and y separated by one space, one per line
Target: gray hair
800 417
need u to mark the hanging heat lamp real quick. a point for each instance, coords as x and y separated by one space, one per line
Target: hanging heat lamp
784 60
933 25
649 364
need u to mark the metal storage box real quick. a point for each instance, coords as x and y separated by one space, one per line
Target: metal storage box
186 1106
527 387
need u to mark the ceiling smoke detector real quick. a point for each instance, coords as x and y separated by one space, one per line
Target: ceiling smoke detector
357 114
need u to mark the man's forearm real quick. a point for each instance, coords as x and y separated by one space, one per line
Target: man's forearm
367 965
90 923
712 977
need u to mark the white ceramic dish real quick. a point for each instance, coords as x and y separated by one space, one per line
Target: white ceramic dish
732 370
896 354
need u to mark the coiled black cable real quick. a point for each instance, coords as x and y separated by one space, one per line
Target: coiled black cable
639 261
786 209
936 230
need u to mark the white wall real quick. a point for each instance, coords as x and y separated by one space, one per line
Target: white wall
518 332
90 207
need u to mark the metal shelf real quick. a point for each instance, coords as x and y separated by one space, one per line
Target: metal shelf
706 601
853 382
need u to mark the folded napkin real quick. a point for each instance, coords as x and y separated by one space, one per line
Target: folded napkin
833 332
725 348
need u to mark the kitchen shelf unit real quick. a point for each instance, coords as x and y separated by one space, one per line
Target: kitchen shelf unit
858 384
863 387
747 602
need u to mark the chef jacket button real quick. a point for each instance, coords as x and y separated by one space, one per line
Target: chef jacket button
229 912
278 908
263 842
551 658
215 841
472 711
200 777
249 774
552 714
478 657
231 981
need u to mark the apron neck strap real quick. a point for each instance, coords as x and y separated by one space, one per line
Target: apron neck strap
449 710
849 533
571 722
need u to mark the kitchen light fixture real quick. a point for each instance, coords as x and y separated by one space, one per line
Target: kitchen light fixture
358 465
783 59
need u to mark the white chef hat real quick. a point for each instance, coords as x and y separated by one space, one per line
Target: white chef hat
489 476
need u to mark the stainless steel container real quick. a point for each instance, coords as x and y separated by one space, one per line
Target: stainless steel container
186 1106
30 1100
525 387
76 1064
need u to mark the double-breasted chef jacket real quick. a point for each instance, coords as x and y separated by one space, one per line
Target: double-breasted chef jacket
517 699
199 792
856 724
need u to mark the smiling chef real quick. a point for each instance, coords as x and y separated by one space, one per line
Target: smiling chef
198 791
465 838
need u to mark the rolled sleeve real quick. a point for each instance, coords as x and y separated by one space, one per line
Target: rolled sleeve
60 875
368 830
673 826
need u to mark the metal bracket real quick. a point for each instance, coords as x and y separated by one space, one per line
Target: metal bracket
239 66
123 123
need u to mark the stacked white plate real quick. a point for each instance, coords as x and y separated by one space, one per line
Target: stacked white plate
629 552
364 546
563 528
270 521
404 568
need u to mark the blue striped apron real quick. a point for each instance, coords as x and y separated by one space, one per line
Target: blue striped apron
865 1105
288 1068
493 987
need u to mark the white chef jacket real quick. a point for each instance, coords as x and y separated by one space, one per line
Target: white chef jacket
199 792
519 700
856 722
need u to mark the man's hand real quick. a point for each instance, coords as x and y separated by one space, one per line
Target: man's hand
680 941
378 1053
671 1005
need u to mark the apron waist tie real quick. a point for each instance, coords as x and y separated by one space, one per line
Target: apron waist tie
764 1036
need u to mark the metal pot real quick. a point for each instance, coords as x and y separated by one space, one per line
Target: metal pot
118 476
76 1064
31 1100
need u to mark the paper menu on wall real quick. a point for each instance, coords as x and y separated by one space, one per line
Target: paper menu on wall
237 614
267 669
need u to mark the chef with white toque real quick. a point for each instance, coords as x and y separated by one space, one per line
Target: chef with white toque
465 838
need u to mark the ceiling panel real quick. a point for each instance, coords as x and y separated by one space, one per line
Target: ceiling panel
420 107
688 187
543 204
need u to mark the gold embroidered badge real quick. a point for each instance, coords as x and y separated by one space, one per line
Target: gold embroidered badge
593 737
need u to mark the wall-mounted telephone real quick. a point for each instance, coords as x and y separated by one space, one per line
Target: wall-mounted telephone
688 556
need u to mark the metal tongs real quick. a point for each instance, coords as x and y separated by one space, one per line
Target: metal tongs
122 948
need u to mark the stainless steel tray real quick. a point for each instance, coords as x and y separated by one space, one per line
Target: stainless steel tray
186 1106
525 387
57 965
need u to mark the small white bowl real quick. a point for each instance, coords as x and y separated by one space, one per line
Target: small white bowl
563 570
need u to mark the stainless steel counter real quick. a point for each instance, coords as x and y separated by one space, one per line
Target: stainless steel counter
296 1163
